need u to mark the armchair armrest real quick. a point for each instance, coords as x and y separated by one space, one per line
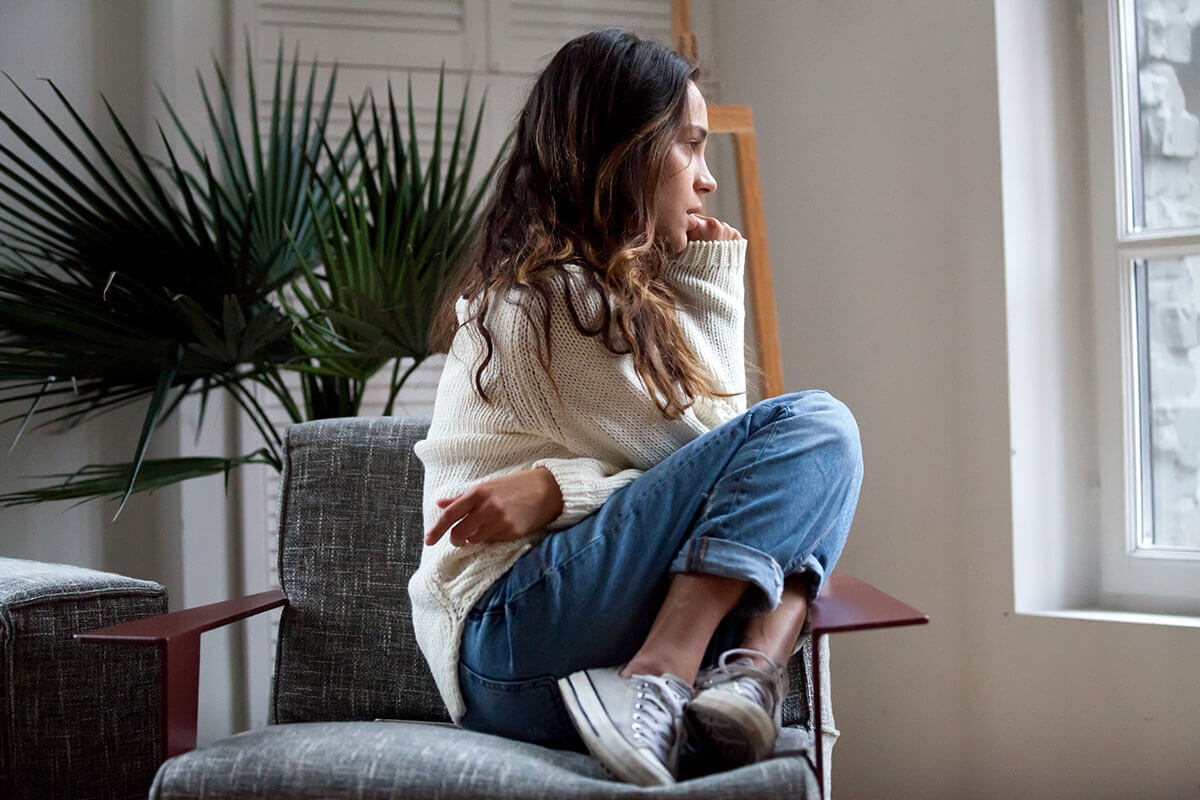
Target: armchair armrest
850 604
177 636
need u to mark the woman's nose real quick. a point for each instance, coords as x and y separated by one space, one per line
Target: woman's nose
705 182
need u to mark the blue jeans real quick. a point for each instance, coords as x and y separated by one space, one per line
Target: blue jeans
769 494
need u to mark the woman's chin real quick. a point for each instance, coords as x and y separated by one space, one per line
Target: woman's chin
674 243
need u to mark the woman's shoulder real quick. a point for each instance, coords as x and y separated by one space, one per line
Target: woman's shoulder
549 288
560 311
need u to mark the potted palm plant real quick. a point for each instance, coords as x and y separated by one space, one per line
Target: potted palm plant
126 278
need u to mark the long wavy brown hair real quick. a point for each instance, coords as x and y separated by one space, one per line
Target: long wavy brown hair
577 188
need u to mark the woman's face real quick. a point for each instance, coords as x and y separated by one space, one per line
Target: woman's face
685 177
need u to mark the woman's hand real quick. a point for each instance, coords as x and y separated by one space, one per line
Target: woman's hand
710 229
499 510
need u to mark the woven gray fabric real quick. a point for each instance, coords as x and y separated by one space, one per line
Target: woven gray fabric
363 760
80 720
351 534
797 706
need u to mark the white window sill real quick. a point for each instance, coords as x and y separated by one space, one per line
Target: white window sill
1107 615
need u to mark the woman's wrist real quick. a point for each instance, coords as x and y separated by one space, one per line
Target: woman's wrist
551 492
711 262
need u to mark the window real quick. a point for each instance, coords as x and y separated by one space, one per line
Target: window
1144 142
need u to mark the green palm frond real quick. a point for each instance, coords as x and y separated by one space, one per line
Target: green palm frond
97 481
398 227
262 189
152 280
253 249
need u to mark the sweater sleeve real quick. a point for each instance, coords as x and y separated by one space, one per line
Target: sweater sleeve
585 485
602 412
709 283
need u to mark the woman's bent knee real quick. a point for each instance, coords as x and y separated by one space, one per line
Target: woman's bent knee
823 416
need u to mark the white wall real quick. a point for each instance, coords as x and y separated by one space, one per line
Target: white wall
879 144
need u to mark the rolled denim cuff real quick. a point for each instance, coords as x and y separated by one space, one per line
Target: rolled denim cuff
712 556
812 568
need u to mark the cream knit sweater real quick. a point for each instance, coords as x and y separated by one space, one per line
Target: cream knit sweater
602 432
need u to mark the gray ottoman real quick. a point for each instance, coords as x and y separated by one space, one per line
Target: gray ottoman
79 720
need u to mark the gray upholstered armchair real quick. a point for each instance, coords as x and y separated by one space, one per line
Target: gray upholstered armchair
348 669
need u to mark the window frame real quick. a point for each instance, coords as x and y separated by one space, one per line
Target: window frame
1133 577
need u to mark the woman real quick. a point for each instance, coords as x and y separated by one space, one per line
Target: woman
603 515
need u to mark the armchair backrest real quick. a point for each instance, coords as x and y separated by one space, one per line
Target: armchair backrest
350 536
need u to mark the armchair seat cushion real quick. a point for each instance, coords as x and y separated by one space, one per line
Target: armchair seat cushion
364 760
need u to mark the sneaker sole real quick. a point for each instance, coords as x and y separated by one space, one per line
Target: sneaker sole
603 740
739 732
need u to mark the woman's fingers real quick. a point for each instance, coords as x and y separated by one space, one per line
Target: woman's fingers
711 229
498 510
467 531
468 519
458 508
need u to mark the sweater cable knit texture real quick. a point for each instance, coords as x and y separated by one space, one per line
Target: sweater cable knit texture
596 435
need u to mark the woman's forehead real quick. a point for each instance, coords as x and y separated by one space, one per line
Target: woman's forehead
697 109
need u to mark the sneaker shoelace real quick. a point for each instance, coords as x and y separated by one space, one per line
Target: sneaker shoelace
657 713
763 686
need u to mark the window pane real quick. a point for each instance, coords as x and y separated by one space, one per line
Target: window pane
1169 334
1164 78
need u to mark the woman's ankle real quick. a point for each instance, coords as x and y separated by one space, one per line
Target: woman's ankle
763 657
658 664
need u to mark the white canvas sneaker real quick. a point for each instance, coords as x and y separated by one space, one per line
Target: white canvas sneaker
737 710
634 726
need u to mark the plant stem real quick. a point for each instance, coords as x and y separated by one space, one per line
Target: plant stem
395 389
